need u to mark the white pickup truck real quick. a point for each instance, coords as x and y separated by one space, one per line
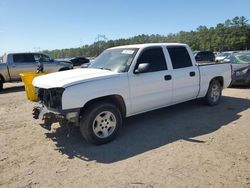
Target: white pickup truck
125 81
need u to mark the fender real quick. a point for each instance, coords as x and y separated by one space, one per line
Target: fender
77 96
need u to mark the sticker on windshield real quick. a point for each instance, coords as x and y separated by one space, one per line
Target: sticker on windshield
127 51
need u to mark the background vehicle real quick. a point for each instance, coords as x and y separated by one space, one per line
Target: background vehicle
78 61
15 63
240 68
204 56
125 81
216 53
222 56
63 60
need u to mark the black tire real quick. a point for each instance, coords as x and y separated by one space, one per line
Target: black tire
213 95
95 123
1 84
63 69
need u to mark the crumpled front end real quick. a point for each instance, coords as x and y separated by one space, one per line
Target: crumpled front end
50 109
51 98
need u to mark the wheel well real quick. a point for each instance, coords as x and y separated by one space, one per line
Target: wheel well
63 69
117 100
220 79
2 78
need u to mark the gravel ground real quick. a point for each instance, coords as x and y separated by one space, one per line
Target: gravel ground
186 145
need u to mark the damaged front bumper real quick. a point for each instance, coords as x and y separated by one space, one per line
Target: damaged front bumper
50 110
50 116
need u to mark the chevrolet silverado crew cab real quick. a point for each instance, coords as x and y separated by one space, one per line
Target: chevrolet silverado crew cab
15 63
124 81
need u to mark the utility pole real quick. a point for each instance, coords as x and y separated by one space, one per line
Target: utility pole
98 39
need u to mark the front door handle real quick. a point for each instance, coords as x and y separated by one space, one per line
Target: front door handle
192 74
168 77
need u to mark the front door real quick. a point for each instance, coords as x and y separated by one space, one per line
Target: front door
152 88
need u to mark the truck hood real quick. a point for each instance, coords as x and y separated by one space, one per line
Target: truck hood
64 63
220 58
71 77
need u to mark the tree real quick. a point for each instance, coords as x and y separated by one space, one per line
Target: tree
231 35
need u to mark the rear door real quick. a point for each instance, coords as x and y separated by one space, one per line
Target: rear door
151 89
185 75
21 63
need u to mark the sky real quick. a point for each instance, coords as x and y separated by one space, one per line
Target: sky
32 25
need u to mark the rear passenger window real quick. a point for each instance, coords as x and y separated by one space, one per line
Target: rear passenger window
179 56
155 57
23 58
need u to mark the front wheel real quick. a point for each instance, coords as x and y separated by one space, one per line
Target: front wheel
100 123
63 69
213 95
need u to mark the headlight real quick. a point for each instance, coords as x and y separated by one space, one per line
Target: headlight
51 98
56 97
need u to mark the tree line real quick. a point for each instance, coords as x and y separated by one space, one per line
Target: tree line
233 34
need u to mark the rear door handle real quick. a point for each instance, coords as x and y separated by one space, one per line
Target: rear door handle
192 74
168 77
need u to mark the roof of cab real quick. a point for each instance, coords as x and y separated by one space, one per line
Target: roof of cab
149 45
25 53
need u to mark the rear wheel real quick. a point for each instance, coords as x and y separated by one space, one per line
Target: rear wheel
214 93
101 123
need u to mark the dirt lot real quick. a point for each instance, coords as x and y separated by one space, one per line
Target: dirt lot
187 145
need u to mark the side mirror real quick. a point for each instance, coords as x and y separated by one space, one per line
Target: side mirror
40 66
142 67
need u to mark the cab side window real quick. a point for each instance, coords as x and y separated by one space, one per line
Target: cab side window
179 56
23 58
154 57
41 57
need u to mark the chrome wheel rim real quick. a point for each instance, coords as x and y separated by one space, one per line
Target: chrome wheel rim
215 93
104 124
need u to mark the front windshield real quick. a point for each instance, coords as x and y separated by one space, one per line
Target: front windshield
116 60
241 58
